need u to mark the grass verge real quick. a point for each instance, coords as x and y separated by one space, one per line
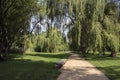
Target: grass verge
108 65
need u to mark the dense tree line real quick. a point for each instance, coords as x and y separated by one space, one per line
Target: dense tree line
93 25
96 24
99 26
44 43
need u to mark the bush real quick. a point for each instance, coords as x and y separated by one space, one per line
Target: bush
52 43
16 50
38 49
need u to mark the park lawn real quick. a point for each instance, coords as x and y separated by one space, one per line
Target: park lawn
32 66
109 66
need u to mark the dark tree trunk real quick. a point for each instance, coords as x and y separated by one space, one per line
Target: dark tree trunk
3 56
4 47
113 54
83 50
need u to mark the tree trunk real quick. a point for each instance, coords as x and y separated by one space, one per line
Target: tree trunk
3 55
113 54
83 50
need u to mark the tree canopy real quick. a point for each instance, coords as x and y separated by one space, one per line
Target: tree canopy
83 25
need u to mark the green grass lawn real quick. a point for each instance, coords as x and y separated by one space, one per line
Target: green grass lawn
32 66
109 66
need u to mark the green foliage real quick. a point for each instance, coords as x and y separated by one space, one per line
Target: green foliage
96 17
52 43
96 42
74 37
111 41
15 51
95 25
110 9
14 22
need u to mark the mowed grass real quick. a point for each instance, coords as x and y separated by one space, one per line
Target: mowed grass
32 66
109 66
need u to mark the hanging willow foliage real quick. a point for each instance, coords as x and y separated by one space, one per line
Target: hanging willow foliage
92 19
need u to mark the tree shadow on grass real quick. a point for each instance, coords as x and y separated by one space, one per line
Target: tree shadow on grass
26 69
61 55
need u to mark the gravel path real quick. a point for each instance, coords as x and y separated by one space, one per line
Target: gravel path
78 69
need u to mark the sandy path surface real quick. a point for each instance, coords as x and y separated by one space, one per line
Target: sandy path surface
78 69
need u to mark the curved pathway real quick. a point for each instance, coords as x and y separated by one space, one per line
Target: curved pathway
76 68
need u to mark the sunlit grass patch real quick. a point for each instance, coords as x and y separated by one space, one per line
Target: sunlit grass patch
110 66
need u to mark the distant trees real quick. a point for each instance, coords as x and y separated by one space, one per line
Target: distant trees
54 43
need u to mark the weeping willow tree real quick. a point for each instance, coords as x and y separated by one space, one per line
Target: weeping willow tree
91 16
95 23
111 27
74 37
52 43
88 14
